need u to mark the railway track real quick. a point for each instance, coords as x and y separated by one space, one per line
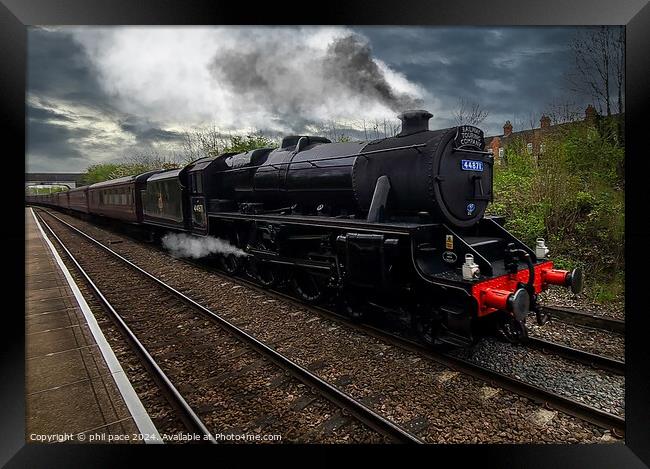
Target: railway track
537 394
350 406
191 420
548 398
576 354
581 318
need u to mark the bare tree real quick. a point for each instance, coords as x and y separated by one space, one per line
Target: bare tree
470 113
619 66
599 66
202 142
518 123
532 120
336 131
561 111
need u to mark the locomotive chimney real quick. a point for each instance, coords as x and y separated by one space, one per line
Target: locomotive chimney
414 121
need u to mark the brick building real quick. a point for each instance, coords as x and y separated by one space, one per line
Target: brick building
533 139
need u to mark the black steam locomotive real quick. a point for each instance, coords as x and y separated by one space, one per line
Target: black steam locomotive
395 224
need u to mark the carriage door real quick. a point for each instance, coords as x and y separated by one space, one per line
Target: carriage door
199 212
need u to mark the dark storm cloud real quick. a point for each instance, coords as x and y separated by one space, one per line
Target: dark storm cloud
58 67
48 144
44 115
512 72
60 73
146 131
62 76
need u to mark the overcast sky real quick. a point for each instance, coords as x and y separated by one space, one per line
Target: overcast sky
98 94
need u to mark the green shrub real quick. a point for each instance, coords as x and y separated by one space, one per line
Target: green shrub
571 195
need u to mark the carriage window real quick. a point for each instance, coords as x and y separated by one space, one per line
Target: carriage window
163 199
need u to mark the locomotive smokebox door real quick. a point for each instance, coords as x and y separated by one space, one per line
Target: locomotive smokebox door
464 177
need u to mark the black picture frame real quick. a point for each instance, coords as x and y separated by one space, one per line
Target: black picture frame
16 15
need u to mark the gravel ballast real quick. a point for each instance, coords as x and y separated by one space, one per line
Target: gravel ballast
560 296
438 404
596 341
596 388
231 387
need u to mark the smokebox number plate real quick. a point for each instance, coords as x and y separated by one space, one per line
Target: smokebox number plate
471 165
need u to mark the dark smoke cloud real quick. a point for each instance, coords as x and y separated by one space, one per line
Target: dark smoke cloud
296 81
349 62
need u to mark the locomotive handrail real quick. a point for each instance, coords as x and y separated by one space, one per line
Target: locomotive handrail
313 162
473 151
482 261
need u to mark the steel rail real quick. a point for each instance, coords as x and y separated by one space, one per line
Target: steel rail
187 415
581 318
550 399
343 400
582 356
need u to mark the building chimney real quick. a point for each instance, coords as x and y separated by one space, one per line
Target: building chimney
545 121
507 129
590 114
414 121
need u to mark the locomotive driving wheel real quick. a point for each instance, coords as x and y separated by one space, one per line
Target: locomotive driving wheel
267 274
249 267
230 264
426 327
352 307
306 286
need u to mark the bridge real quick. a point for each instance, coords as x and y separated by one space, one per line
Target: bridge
71 180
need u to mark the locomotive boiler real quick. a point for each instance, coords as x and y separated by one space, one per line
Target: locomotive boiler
442 174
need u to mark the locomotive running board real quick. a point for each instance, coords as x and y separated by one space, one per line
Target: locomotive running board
327 222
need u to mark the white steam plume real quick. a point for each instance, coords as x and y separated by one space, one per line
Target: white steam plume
273 78
183 245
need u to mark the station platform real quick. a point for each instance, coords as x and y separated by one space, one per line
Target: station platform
75 389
